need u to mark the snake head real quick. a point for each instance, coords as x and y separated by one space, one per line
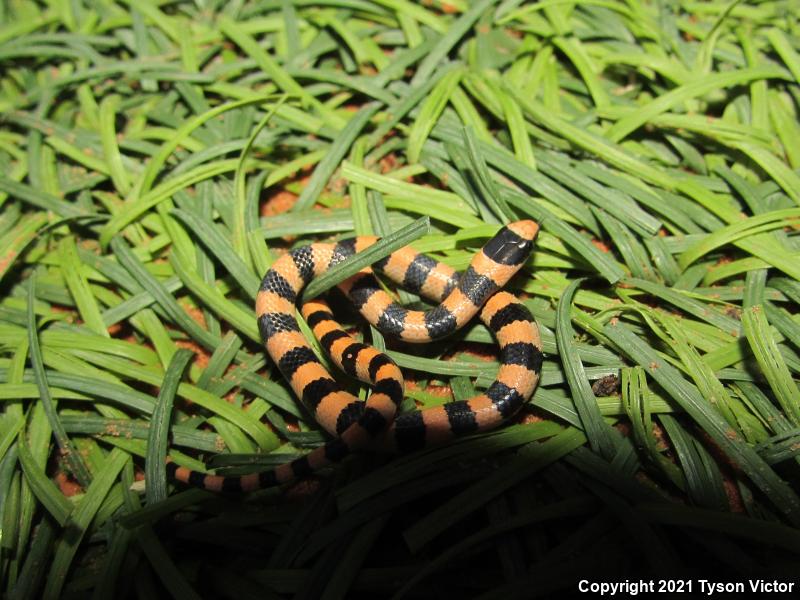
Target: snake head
513 243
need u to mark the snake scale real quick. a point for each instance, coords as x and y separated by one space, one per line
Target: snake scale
357 424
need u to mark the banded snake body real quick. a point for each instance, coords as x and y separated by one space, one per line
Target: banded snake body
358 424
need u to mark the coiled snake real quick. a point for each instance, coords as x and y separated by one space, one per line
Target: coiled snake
359 425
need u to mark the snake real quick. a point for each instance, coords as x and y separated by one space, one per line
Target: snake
356 425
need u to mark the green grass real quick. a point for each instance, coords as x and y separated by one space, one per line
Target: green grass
657 143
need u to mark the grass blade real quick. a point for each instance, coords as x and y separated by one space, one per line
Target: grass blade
74 459
337 151
597 431
379 250
155 465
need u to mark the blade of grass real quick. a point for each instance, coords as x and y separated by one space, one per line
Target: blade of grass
136 269
759 337
625 126
17 239
73 458
45 490
282 79
429 111
596 429
155 463
108 136
333 158
40 199
453 34
219 247
79 287
379 250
